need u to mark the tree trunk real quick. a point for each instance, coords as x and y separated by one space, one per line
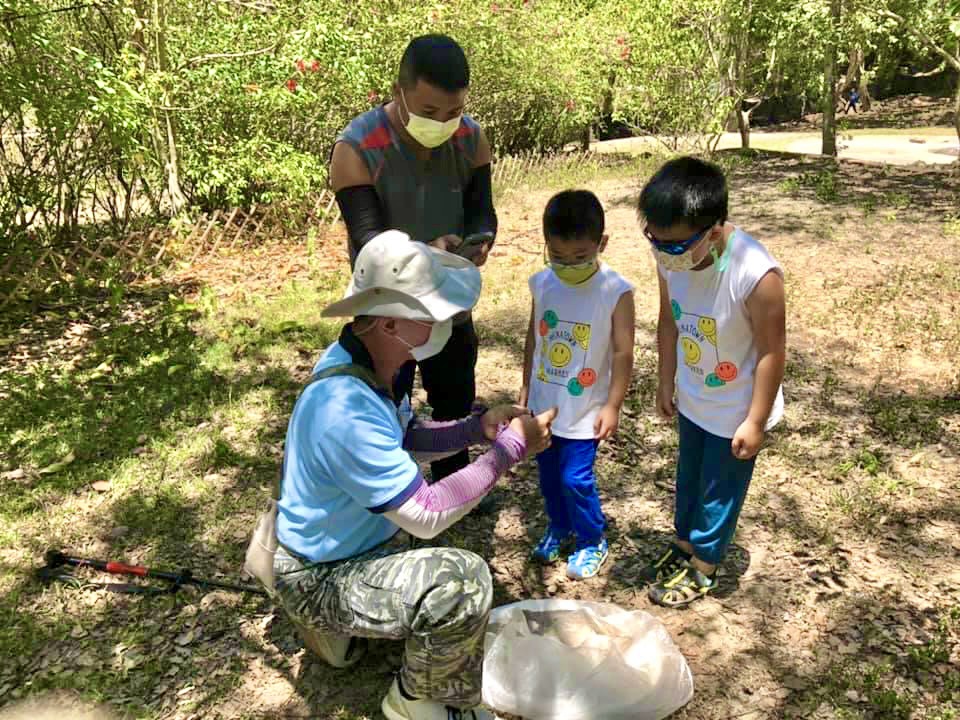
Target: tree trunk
855 77
177 199
830 84
743 124
956 113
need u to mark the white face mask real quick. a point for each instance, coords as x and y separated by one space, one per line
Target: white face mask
439 336
427 132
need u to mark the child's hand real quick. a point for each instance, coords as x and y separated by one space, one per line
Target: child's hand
747 440
607 422
666 407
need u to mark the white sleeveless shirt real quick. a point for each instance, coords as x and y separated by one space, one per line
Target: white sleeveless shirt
716 352
573 326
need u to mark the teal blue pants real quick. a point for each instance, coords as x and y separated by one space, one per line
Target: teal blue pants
711 487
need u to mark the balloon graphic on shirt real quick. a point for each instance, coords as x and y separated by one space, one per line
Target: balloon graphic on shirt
726 371
691 351
713 381
587 377
544 328
676 309
574 387
581 333
541 373
708 326
551 319
560 354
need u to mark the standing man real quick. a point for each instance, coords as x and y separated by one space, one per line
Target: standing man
420 165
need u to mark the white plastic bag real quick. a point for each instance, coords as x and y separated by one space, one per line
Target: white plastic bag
572 660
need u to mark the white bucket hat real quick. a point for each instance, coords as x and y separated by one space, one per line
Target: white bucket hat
397 277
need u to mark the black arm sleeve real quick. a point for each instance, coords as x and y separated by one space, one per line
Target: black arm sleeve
363 214
478 213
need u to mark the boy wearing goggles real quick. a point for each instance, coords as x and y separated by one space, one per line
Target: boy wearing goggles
722 313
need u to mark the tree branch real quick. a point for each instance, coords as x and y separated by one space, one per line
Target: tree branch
941 68
924 38
200 59
262 7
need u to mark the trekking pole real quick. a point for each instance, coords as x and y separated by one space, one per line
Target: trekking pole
56 559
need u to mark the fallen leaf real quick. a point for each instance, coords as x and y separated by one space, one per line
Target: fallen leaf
17 474
101 485
78 632
59 465
185 638
795 683
86 660
264 622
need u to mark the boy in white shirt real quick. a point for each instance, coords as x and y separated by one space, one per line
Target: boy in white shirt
722 311
579 358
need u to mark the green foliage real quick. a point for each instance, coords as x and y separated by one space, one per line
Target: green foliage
136 107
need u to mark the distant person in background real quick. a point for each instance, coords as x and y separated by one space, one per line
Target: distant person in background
852 100
420 165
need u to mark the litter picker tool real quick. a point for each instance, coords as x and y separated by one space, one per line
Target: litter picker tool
57 561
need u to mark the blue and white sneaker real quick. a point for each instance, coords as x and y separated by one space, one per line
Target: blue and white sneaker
586 562
547 550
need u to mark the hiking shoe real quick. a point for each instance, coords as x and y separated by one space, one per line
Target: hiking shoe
396 707
547 550
586 562
682 588
673 558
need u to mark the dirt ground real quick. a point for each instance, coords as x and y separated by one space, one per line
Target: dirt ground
838 597
835 559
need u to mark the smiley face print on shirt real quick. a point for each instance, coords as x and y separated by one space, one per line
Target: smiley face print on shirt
563 354
700 348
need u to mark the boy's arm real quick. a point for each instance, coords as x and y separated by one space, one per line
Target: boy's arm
621 365
528 349
766 306
666 353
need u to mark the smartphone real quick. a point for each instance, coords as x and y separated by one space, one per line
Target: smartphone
472 244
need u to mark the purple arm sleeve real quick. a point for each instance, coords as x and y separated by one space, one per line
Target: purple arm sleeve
432 437
434 508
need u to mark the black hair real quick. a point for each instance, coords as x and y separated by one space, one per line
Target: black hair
573 214
437 60
686 190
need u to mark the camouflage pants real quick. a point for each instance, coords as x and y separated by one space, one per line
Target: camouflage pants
436 599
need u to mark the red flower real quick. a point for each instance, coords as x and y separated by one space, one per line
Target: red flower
621 40
292 85
301 65
494 8
571 105
625 53
314 65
